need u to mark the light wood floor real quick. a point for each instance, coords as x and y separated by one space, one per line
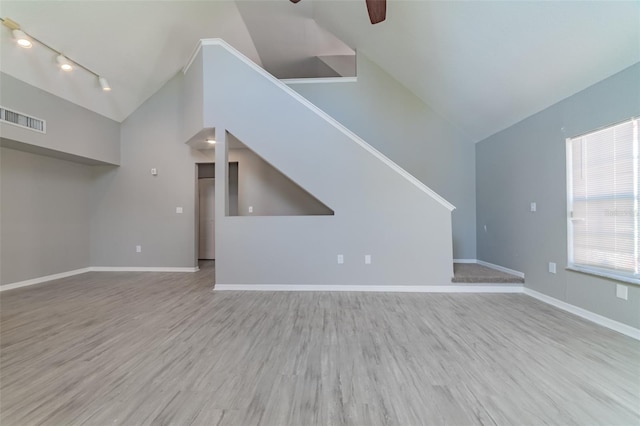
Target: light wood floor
161 348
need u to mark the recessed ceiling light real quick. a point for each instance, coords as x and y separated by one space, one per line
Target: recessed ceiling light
211 141
64 63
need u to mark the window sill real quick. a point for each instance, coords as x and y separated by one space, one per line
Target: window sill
602 274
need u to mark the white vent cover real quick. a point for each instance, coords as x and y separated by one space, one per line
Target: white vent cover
22 120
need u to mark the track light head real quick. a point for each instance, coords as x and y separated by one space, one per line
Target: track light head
64 63
104 84
26 41
22 39
211 141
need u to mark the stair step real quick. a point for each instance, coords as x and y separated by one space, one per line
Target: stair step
474 273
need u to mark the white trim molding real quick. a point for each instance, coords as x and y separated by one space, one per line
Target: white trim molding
289 81
53 277
142 269
44 279
625 329
450 288
465 260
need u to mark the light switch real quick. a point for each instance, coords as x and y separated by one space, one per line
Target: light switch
178 209
367 259
138 249
340 259
154 171
534 207
552 267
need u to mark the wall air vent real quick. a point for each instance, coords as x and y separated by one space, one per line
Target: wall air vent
22 120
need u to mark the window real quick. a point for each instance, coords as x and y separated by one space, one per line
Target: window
603 181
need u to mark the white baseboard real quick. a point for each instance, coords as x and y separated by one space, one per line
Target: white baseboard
142 269
625 329
44 279
465 261
47 278
501 268
446 288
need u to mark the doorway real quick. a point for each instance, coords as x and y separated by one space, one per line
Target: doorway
206 206
206 211
207 218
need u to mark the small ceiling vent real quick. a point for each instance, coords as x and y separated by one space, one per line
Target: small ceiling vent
22 120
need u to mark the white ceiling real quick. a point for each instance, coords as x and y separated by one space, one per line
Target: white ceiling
486 65
483 65
287 38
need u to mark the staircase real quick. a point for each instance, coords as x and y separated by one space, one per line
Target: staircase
382 213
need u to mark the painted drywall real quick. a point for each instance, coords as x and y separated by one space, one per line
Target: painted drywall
71 129
527 163
268 191
44 216
131 207
192 102
400 125
378 211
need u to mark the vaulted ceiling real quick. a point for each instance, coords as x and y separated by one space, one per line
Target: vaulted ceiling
483 65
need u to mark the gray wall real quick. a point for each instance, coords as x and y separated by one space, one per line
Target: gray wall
44 216
113 209
397 123
131 207
72 131
526 163
377 210
192 102
268 191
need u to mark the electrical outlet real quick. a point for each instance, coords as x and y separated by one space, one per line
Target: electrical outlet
178 210
367 259
250 209
138 249
340 259
534 207
622 292
552 267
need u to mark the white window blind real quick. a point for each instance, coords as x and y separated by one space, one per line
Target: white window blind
603 183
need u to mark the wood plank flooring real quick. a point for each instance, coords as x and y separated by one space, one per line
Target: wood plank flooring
162 348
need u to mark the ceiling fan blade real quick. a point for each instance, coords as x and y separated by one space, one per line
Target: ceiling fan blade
377 10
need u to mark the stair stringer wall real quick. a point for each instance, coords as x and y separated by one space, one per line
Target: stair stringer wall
379 210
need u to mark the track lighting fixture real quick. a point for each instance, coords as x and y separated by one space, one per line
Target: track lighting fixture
22 39
104 84
64 63
211 141
25 40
